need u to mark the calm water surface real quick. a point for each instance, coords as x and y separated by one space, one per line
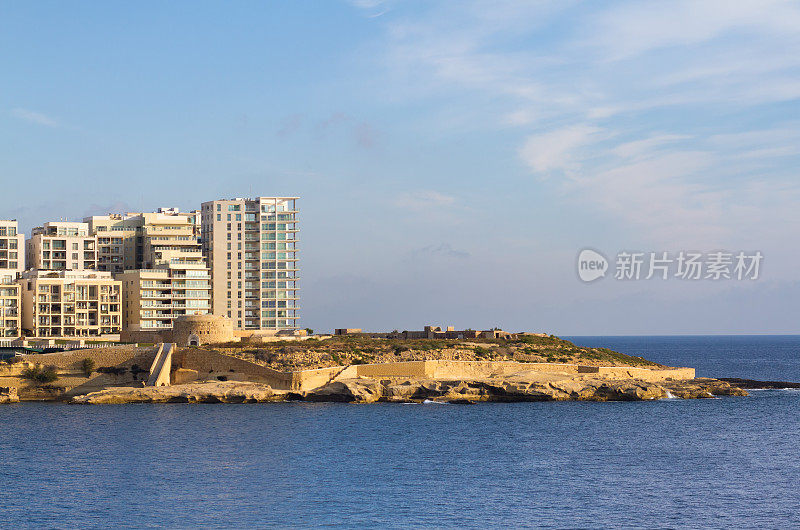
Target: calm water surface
672 463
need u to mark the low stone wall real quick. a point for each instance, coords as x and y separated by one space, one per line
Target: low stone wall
311 379
445 369
148 337
466 369
421 369
645 374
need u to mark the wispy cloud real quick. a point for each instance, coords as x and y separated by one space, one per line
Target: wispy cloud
556 149
628 105
35 117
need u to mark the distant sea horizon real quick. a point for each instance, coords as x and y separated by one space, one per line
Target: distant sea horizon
763 357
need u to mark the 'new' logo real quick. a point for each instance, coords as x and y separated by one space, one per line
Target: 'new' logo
591 265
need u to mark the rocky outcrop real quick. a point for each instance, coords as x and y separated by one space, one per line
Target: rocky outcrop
755 384
521 387
703 387
359 390
366 390
210 392
8 394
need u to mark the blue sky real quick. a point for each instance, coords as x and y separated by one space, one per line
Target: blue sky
452 157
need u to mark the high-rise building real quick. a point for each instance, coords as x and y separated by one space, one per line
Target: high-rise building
71 303
251 248
61 245
12 247
12 262
158 257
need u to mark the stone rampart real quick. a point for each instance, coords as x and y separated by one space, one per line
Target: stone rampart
445 369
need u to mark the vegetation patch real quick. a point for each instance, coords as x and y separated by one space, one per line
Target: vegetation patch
289 355
40 375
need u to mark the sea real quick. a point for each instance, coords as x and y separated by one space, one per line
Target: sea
731 462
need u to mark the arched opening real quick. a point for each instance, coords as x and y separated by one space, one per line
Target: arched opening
194 340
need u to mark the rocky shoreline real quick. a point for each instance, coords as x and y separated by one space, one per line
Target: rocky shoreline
368 390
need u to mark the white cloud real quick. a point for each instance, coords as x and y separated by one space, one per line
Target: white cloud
634 28
556 150
34 117
645 147
647 109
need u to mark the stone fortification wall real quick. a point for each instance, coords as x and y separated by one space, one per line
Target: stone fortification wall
71 360
210 365
645 374
481 369
146 337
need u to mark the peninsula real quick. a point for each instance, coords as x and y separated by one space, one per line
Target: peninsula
352 367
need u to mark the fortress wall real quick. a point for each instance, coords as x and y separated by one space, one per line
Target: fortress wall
311 379
210 365
146 337
71 360
421 369
482 369
645 374
466 369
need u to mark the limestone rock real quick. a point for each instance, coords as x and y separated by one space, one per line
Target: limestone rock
703 387
8 394
358 390
210 392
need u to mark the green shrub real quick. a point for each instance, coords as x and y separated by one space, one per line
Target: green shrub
40 375
87 366
113 370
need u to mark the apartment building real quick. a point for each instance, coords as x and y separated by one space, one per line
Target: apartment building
159 259
12 262
70 303
61 245
155 297
12 248
251 247
10 306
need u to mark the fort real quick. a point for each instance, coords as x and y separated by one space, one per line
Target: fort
435 332
350 367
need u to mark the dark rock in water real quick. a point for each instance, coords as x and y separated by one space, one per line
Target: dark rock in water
752 383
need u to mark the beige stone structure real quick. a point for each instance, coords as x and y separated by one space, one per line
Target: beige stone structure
159 259
251 248
67 304
61 245
197 330
434 332
12 262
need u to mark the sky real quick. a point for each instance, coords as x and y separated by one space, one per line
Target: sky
452 158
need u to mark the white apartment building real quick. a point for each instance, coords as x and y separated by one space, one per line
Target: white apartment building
12 262
251 248
72 303
61 245
158 257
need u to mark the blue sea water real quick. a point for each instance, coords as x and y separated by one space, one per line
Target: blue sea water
719 463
